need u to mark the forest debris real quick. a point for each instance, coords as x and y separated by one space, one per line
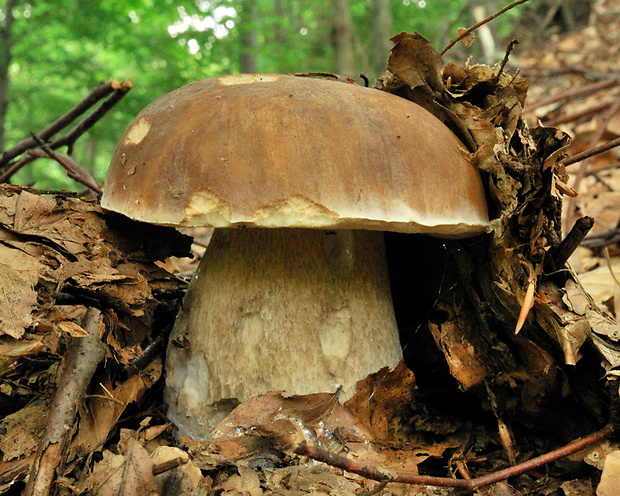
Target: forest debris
183 478
52 244
129 472
610 478
22 431
83 357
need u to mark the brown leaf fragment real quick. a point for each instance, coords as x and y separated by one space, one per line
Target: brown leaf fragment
468 39
384 401
247 482
99 414
292 419
22 430
19 273
416 62
126 474
610 478
463 349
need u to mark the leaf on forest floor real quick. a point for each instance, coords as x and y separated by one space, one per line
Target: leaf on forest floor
100 413
129 473
19 274
22 430
293 419
384 401
416 62
610 478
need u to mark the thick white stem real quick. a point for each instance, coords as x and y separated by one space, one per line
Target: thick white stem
296 310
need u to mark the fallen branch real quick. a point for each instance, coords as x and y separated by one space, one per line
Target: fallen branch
591 152
116 91
83 357
74 169
573 94
464 33
571 242
378 474
577 116
99 92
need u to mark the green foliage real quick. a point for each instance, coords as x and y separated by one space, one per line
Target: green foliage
62 49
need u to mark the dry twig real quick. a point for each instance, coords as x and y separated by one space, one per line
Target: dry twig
572 94
113 90
464 33
74 169
83 356
378 474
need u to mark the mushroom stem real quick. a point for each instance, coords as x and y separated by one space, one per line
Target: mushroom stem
296 310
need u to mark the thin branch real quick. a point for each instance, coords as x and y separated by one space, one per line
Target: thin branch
511 45
74 169
378 474
591 152
99 92
463 34
69 139
574 93
571 206
577 116
83 357
572 240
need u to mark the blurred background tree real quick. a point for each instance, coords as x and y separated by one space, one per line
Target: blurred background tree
54 53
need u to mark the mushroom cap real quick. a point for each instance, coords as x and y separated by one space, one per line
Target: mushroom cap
285 151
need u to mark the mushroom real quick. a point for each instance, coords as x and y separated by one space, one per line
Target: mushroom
299 177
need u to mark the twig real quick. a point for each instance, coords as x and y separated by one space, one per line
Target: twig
571 206
572 240
464 33
591 152
169 465
74 169
99 92
604 238
573 94
118 90
577 116
511 45
69 139
83 356
374 473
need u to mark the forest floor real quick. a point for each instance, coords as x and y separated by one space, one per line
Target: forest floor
113 437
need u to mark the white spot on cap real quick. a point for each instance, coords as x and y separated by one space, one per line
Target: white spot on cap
205 208
137 132
294 211
247 79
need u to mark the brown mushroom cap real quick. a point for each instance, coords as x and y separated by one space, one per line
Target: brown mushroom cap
285 151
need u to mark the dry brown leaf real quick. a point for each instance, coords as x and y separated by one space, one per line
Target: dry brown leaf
247 482
416 62
126 474
74 330
180 480
101 412
22 430
384 401
468 39
610 478
19 274
292 419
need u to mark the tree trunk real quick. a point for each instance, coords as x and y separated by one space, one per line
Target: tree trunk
341 38
381 34
248 37
5 60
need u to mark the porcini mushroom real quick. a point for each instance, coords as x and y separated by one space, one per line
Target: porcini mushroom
299 177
